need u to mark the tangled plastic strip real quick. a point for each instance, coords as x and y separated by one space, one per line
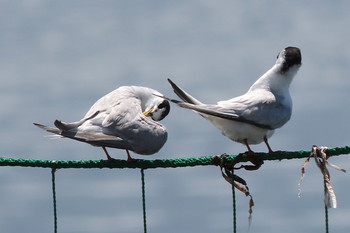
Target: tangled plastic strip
320 155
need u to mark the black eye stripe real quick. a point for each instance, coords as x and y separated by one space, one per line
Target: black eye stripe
164 104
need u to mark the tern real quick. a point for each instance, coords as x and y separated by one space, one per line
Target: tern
126 118
253 117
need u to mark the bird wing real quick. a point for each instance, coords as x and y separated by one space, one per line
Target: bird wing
109 123
183 94
72 126
93 138
125 120
259 109
126 111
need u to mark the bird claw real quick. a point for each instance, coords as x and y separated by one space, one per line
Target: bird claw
274 152
132 160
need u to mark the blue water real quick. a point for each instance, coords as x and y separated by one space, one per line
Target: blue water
58 58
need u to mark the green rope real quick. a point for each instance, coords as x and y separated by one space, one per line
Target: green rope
234 203
143 201
164 163
53 170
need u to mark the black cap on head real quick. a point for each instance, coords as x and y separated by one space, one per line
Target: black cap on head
292 56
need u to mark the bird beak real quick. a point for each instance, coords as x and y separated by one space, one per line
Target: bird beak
148 112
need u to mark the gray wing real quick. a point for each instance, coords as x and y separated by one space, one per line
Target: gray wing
93 138
113 119
192 103
217 111
250 108
261 107
107 123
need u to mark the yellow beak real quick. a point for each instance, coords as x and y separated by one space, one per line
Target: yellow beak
148 112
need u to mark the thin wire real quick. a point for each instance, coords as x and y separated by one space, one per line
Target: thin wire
143 201
326 211
234 203
53 170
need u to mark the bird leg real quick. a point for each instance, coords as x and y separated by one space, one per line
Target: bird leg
129 157
108 157
268 146
248 147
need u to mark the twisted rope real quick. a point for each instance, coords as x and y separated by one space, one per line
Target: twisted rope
234 203
164 163
53 170
143 201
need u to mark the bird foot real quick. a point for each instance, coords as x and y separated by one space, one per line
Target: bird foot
274 152
132 160
109 158
248 152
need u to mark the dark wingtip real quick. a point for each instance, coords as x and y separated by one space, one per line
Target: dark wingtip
59 125
46 128
39 125
179 92
171 83
175 101
168 99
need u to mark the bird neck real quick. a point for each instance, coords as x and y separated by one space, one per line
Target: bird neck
143 94
275 81
147 97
